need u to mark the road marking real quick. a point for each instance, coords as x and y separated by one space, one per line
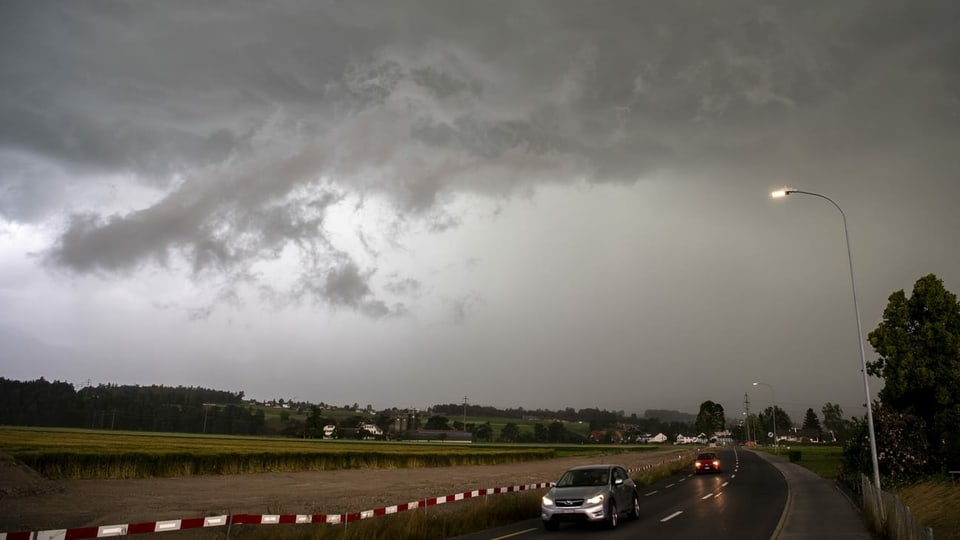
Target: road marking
670 486
671 516
733 476
649 494
682 479
707 496
724 484
511 535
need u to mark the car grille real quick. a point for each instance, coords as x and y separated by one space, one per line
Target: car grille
568 503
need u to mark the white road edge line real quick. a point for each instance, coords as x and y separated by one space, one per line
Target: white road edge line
671 516
511 535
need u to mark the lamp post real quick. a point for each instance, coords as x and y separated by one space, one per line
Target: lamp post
856 309
776 442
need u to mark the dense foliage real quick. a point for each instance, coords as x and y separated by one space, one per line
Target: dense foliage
918 344
780 426
903 453
135 408
711 418
834 422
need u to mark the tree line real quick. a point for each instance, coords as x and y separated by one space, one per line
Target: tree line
123 407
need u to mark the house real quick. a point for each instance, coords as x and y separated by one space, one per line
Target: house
329 431
373 431
647 438
698 439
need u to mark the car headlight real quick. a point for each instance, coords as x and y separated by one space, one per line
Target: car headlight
596 499
546 501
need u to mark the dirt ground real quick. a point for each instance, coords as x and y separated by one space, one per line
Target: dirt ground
30 502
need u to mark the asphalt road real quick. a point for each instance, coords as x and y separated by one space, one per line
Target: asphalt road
744 502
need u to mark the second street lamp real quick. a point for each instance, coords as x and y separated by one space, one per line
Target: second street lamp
776 443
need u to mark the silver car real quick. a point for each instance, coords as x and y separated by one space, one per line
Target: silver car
590 493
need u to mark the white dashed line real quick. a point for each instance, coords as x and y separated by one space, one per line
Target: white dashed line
724 484
649 494
707 496
670 486
671 516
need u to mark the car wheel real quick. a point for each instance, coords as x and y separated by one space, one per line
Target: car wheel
614 517
551 525
635 511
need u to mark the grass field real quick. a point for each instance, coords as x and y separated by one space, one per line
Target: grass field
74 453
823 460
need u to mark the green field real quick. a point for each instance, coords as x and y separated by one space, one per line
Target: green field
75 453
823 460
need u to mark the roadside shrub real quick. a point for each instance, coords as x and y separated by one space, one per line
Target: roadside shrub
903 451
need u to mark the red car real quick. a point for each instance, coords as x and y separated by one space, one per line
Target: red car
707 462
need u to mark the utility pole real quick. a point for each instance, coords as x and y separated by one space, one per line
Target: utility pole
465 413
746 411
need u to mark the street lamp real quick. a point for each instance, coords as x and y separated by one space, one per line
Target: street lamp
856 309
776 442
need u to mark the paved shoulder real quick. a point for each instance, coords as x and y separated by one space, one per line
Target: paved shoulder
816 507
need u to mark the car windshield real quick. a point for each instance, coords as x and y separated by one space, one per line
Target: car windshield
706 457
584 477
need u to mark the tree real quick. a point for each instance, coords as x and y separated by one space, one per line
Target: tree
918 344
540 433
483 432
710 419
812 423
438 422
767 425
510 432
556 432
811 420
833 421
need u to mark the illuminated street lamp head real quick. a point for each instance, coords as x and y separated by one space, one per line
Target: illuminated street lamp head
782 193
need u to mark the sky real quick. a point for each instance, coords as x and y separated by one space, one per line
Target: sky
542 204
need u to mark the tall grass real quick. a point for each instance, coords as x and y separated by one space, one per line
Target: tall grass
935 504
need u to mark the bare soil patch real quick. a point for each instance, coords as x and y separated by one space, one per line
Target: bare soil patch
31 502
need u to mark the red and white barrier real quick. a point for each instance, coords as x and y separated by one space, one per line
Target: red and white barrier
254 519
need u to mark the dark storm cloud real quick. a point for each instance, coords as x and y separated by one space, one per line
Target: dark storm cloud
248 107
